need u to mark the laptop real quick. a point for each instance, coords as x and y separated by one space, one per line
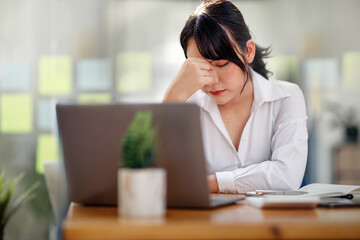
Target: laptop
91 139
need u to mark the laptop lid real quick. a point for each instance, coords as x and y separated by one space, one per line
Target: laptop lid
91 139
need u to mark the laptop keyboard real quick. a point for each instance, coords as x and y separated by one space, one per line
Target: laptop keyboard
223 200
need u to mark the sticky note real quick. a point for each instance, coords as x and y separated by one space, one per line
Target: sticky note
95 98
46 114
15 76
93 75
47 150
16 113
133 72
55 75
284 67
322 71
351 71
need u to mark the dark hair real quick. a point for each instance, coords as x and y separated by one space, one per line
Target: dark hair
220 32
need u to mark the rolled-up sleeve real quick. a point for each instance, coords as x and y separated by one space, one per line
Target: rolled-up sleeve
289 148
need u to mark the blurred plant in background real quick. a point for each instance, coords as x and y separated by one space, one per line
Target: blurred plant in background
346 119
9 206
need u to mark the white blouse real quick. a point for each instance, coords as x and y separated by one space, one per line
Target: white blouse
272 152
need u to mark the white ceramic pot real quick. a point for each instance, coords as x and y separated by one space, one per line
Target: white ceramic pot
142 192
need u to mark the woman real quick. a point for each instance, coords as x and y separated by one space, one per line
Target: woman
254 130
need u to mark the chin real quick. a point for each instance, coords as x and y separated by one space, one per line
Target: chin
219 101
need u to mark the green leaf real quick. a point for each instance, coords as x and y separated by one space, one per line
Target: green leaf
20 201
5 199
2 177
139 142
8 207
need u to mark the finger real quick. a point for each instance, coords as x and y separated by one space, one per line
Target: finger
205 73
198 60
207 66
207 80
210 78
214 76
203 64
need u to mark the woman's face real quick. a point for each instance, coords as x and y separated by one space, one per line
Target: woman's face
230 77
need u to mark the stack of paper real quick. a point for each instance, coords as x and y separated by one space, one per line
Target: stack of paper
283 201
311 195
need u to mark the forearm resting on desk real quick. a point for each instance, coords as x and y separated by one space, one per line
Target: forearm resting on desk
212 182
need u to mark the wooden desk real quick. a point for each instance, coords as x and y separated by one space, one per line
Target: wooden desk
232 222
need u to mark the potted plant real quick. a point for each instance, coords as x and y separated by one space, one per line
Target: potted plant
142 186
346 118
9 206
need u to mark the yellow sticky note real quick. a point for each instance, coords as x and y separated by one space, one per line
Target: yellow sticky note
351 71
95 98
47 150
16 113
55 75
133 70
284 67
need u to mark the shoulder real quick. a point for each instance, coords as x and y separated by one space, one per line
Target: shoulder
290 101
273 90
293 106
286 86
292 90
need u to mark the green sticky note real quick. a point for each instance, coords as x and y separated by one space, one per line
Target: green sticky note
133 71
55 75
284 67
16 113
351 71
47 150
95 98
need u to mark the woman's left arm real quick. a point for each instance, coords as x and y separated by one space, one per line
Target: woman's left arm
285 169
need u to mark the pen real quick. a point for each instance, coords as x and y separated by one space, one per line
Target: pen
347 196
280 192
274 192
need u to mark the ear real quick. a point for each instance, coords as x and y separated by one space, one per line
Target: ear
250 55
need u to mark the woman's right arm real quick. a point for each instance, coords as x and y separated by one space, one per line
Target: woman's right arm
194 74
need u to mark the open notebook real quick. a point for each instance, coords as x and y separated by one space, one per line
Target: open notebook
312 195
327 190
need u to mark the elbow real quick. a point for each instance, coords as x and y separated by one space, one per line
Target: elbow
290 165
289 176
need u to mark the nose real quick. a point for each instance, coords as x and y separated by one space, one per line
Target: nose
214 76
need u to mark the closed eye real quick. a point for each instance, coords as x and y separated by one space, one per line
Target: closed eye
222 65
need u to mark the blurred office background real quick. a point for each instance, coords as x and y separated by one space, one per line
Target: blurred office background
100 51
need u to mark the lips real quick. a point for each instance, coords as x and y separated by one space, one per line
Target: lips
216 93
